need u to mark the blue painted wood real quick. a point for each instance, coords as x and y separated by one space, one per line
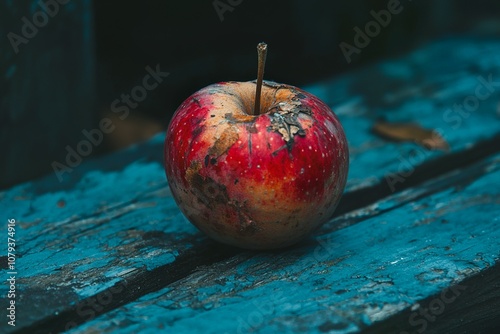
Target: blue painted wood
86 239
113 221
443 86
360 269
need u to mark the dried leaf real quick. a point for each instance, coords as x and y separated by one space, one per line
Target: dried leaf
413 132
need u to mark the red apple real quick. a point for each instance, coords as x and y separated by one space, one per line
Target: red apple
256 170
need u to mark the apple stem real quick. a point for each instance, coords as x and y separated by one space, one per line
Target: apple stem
262 53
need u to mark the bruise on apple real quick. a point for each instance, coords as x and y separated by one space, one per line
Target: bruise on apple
210 193
205 189
228 137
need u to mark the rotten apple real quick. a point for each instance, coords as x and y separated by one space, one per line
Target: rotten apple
257 165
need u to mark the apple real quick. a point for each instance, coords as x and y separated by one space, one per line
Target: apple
258 165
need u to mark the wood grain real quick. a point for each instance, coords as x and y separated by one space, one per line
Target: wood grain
413 250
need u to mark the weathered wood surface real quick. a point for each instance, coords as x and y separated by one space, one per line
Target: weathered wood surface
74 244
361 268
435 86
112 229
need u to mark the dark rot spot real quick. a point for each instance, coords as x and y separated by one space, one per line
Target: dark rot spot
207 159
213 161
221 198
252 128
205 189
212 115
219 226
198 130
248 228
285 120
236 181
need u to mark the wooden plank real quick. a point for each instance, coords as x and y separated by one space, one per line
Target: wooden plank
113 219
475 312
436 86
86 239
360 269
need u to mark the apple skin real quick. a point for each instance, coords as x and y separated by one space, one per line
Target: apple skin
256 182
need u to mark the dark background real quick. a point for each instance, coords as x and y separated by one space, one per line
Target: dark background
65 78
